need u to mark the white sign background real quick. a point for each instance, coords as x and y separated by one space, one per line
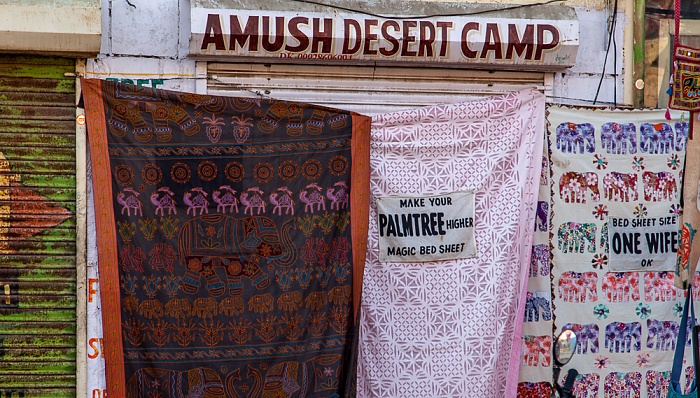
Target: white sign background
646 244
426 228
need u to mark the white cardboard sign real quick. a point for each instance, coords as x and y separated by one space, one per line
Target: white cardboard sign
426 228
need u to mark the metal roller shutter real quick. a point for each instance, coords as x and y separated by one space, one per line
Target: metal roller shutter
365 89
37 227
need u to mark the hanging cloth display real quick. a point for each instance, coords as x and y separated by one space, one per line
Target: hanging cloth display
685 85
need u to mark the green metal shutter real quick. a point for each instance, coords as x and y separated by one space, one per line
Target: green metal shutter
37 227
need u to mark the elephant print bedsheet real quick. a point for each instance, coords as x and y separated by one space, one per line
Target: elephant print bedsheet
231 242
538 319
452 328
615 179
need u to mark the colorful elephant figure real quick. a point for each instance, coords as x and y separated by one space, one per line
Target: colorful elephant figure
659 187
528 389
576 138
155 382
620 187
534 302
577 286
657 383
656 138
619 139
539 259
681 135
686 235
541 216
585 386
537 350
622 385
584 335
291 379
237 245
573 236
133 104
573 187
619 336
664 332
658 286
604 232
619 287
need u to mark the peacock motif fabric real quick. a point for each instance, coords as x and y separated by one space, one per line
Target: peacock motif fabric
452 328
615 199
230 236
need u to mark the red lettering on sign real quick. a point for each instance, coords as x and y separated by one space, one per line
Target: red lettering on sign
370 37
444 26
92 291
492 42
408 38
276 45
358 37
541 45
427 38
468 27
324 37
298 34
213 33
241 36
519 46
96 345
391 39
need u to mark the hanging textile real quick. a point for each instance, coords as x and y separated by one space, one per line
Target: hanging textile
536 363
689 222
231 240
452 327
615 178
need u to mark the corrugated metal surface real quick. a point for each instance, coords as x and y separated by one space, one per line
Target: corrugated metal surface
37 227
363 89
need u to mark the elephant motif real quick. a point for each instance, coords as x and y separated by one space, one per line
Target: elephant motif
659 186
664 332
619 139
577 286
261 303
576 138
686 235
130 202
178 308
657 383
656 138
619 336
604 232
573 187
622 385
155 382
204 307
236 244
537 350
541 216
620 187
573 237
231 306
151 309
585 334
528 389
585 386
619 287
658 286
128 115
279 110
539 259
681 135
535 302
316 377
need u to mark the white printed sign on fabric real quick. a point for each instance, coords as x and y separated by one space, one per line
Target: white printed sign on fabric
642 244
426 228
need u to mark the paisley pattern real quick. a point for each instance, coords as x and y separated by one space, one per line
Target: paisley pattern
423 325
220 276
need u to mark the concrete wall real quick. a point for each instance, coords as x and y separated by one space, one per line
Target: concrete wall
153 35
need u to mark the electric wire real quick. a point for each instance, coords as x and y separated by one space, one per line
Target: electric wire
611 41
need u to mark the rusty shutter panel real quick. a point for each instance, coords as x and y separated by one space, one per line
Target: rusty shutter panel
37 227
